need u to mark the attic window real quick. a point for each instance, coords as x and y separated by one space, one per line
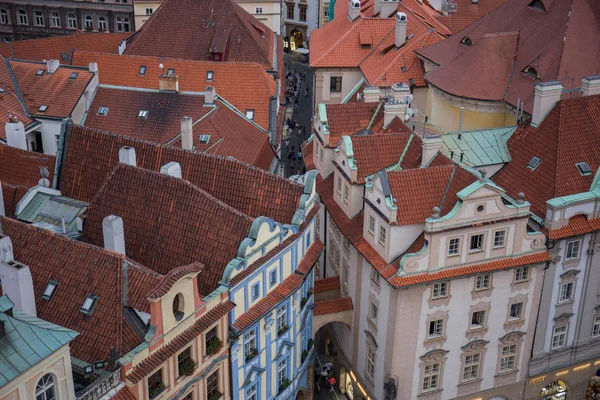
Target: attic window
73 75
50 289
1 90
250 114
40 72
142 70
534 162
204 139
88 304
143 114
584 168
171 71
103 111
209 75
532 72
466 41
42 108
64 56
538 5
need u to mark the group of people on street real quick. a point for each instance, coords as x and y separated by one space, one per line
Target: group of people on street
324 374
295 81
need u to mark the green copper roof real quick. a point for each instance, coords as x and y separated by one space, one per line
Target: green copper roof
479 148
27 341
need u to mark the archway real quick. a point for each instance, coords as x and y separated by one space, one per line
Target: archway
556 390
296 39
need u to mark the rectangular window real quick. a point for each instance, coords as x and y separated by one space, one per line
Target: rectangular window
258 10
142 70
431 377
440 290
478 319
471 368
559 336
375 275
290 10
155 384
250 114
255 292
212 385
149 11
282 320
516 311
122 24
89 22
303 13
509 355
596 327
22 17
39 18
436 328
335 84
476 243
345 197
566 292
183 360
482 282
339 185
499 238
72 21
371 224
4 17
573 249
321 155
454 247
273 277
373 313
281 372
54 20
521 274
209 338
250 344
251 393
371 357
382 234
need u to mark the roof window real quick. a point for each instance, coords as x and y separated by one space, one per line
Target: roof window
73 75
50 289
1 90
64 56
209 75
40 72
534 162
538 5
466 41
143 114
142 70
250 114
532 72
204 139
88 304
43 108
103 111
584 168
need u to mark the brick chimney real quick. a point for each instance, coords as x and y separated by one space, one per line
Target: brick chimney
371 94
400 29
15 133
52 66
17 282
354 10
547 94
187 139
168 82
127 156
430 145
209 95
172 169
387 8
590 85
114 234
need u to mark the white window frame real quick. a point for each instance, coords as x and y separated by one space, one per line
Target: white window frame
55 20
38 18
454 247
375 276
508 358
596 326
102 24
483 281
481 243
339 185
258 10
439 290
346 193
382 235
72 21
573 250
520 306
521 274
566 291
281 317
471 367
23 20
438 328
373 313
431 377
149 10
559 336
371 362
250 343
46 383
281 372
482 314
371 228
4 16
252 392
497 244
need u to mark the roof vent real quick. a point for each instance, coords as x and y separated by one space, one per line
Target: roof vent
534 162
584 168
466 41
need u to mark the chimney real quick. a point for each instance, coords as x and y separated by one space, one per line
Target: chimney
52 66
209 96
397 105
187 139
2 210
547 94
273 120
172 169
400 29
430 145
16 279
127 156
388 8
93 67
15 133
371 94
114 234
354 10
168 82
590 85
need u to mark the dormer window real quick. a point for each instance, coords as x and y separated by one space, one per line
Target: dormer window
40 72
204 139
531 72
88 304
584 168
534 163
209 75
43 108
143 114
103 111
538 5
73 75
250 114
142 71
50 289
466 41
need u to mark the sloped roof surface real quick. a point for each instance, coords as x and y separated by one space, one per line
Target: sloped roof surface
480 147
92 156
10 103
468 12
22 168
376 152
192 29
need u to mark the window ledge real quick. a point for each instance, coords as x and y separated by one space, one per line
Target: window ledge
467 383
562 303
499 374
430 392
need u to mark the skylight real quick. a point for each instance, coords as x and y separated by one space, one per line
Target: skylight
250 114
73 75
143 114
103 111
50 289
40 72
534 162
42 108
142 70
88 304
584 168
209 75
204 139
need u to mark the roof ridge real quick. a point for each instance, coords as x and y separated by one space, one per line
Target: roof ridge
448 184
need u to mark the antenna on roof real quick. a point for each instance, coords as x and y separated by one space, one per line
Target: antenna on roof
162 68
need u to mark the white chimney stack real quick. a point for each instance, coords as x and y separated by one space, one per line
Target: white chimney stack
52 66
127 156
17 282
187 139
172 169
590 85
430 145
547 94
397 105
93 67
400 29
15 134
209 95
353 10
387 8
371 94
114 234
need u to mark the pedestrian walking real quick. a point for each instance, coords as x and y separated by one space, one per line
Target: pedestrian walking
331 384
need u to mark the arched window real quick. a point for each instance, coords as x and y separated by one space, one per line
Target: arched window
532 72
46 388
89 23
178 307
538 4
102 23
466 41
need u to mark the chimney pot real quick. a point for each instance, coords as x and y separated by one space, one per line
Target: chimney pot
401 98
52 66
371 94
590 85
430 147
547 94
354 10
114 234
172 169
187 139
93 67
209 95
127 156
168 82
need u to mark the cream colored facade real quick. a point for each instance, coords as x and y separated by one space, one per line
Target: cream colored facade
143 9
323 83
57 364
267 12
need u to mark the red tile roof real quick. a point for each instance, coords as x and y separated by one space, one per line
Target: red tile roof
372 153
327 284
10 103
467 12
22 168
578 225
567 135
325 307
227 29
347 119
307 153
92 156
158 357
172 277
57 90
311 257
168 222
124 394
232 81
12 195
555 43
80 270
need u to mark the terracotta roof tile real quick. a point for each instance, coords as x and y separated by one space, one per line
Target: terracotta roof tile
468 12
578 225
228 29
172 277
327 284
22 168
233 81
92 156
373 153
325 307
10 104
124 394
311 257
12 195
307 153
347 119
